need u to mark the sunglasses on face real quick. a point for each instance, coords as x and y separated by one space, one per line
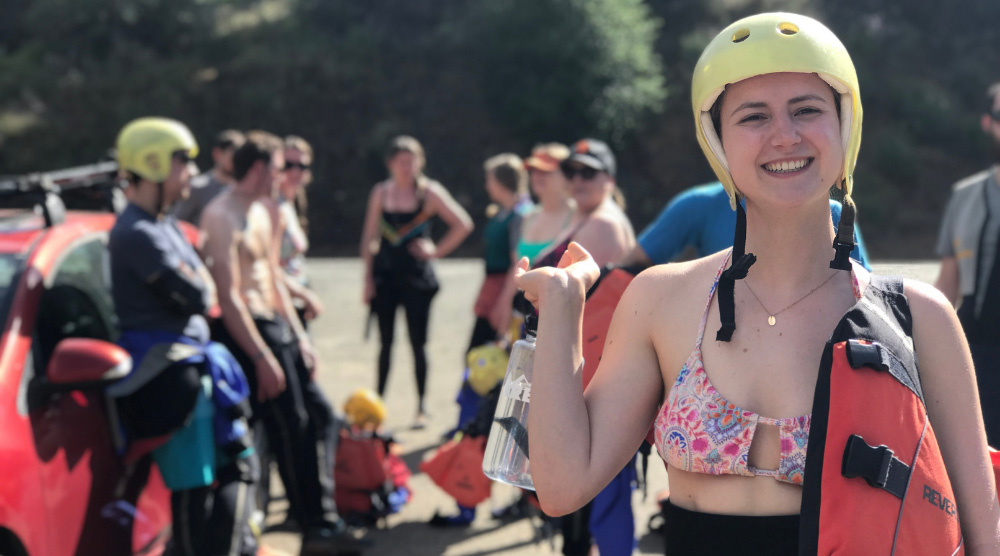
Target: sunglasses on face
182 156
586 172
296 166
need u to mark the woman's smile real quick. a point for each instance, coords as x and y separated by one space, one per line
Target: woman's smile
786 167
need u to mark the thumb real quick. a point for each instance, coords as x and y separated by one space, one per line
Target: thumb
521 267
577 253
582 264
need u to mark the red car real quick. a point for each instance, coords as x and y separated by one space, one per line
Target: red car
63 489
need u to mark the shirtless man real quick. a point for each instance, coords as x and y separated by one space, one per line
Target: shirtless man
261 328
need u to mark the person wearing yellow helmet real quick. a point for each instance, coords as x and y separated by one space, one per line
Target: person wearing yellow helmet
162 292
749 423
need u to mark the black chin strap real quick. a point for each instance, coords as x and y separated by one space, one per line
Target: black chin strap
159 199
738 268
843 243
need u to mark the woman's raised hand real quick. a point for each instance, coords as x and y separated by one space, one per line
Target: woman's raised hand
574 275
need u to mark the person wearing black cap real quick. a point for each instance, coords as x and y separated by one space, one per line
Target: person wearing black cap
599 223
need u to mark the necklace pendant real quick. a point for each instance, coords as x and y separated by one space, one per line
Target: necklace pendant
771 320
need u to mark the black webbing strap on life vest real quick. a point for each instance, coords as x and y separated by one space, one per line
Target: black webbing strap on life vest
738 268
876 465
843 243
874 355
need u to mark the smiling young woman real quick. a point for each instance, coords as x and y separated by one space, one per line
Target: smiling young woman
767 426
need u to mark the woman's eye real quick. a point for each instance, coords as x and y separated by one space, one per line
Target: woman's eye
807 110
751 118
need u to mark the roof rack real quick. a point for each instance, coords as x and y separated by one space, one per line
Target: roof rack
43 190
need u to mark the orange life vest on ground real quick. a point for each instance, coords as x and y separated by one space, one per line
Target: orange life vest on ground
875 481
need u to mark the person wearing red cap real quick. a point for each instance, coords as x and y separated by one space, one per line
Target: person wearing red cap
555 209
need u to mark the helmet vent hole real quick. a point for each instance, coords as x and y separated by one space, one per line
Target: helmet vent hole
788 28
741 35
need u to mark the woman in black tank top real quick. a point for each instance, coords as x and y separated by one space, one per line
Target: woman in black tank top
397 250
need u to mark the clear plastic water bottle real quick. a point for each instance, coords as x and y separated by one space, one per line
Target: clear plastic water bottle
506 458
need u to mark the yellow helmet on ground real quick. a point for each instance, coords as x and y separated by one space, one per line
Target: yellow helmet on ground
365 408
146 146
487 366
774 43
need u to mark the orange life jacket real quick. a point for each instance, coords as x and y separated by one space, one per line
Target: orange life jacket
602 299
875 481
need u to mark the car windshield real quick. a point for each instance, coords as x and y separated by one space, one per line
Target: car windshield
10 267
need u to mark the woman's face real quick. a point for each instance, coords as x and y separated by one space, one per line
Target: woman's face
404 166
588 187
494 190
547 184
781 135
296 171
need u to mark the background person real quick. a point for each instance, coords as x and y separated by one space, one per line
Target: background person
162 292
700 218
554 211
399 271
292 226
599 222
206 186
733 416
507 187
263 331
969 247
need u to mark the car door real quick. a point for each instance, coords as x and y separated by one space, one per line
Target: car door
91 497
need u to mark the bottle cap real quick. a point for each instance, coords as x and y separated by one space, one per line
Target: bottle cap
531 323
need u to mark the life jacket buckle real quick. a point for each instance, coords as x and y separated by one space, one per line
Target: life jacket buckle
866 355
876 465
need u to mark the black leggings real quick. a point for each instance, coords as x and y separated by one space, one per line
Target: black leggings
215 521
300 426
417 304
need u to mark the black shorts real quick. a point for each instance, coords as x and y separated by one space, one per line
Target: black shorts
691 533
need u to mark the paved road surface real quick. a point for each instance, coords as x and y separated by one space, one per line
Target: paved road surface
349 362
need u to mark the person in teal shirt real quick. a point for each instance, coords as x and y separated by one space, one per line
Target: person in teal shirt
701 218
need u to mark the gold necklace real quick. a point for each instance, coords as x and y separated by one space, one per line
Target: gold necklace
771 320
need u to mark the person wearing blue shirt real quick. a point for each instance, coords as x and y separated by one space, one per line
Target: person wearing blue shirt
701 218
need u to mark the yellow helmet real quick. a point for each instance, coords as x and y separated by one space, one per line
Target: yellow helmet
773 43
145 146
487 366
365 408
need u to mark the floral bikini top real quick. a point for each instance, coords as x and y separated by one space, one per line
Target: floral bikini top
699 431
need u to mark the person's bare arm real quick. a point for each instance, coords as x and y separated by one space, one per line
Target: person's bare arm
441 204
578 440
601 238
369 232
297 290
949 385
947 280
222 263
500 315
282 300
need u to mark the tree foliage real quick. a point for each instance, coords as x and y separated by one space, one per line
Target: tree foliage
471 79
